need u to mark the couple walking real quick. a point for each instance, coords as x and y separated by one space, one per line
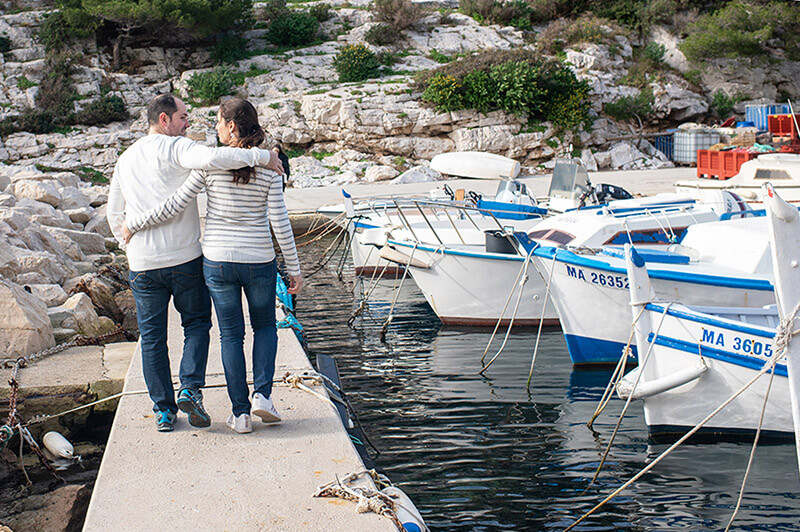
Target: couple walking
152 209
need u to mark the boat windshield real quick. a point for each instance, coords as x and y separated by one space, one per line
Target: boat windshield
570 180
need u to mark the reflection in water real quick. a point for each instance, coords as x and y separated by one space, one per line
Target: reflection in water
481 453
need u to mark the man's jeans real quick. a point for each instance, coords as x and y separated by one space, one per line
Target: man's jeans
152 290
225 282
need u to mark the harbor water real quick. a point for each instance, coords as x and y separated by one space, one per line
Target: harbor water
481 452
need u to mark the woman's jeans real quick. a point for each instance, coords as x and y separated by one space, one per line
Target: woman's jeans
225 281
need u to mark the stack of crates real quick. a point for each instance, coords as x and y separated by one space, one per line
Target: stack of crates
688 141
759 114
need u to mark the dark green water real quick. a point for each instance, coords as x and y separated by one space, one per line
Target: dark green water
481 453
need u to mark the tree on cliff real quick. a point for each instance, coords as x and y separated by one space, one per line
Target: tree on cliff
165 22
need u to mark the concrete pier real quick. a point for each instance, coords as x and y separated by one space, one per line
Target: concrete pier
215 479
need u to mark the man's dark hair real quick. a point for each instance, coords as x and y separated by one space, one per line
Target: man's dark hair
164 103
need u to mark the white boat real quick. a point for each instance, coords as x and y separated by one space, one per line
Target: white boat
468 285
782 170
692 360
476 165
727 262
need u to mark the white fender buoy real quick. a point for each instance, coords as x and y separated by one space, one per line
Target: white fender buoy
58 445
406 511
644 389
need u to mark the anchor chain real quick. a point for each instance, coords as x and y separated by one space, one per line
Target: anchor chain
15 364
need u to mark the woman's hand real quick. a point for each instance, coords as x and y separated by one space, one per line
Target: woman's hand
126 234
295 284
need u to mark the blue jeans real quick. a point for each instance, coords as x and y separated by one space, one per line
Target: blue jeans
225 282
152 290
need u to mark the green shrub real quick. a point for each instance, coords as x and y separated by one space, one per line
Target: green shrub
24 83
31 120
108 108
320 11
628 107
654 52
228 49
273 9
381 35
586 28
5 44
694 76
444 92
292 29
209 87
744 29
515 81
399 14
56 92
518 13
439 57
356 62
62 27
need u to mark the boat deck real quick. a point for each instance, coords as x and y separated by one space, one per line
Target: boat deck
215 479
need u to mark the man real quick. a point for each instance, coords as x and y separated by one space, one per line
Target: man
166 260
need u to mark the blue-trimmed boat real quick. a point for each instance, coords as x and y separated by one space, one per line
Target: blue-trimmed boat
727 262
692 360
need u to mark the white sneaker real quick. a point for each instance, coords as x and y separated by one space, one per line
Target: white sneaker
240 424
263 408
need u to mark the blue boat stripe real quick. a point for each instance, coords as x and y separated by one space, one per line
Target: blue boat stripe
716 354
763 332
568 257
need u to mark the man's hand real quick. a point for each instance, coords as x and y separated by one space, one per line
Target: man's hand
295 284
275 165
126 234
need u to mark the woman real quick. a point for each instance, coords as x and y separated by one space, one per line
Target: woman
238 255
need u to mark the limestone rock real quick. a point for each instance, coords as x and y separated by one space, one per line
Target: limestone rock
99 291
88 242
380 173
418 174
43 191
51 294
24 327
84 318
72 198
127 305
99 223
81 215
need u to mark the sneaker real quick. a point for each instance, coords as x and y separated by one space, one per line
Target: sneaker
165 421
240 424
190 400
263 408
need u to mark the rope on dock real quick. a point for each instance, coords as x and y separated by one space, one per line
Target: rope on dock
366 499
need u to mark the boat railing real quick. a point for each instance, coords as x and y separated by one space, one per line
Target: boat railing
467 211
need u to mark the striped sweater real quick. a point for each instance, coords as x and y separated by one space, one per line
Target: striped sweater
238 217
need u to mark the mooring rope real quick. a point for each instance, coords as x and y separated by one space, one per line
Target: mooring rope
541 323
783 336
523 278
385 326
366 499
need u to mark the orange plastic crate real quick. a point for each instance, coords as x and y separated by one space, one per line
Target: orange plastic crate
721 164
783 125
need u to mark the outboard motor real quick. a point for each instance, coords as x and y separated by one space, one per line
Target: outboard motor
605 193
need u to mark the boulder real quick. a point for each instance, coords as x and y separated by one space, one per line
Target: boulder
417 174
99 223
88 242
51 294
380 173
99 291
84 318
24 326
61 510
127 305
43 191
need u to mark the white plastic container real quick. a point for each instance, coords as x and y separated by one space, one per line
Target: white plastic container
688 141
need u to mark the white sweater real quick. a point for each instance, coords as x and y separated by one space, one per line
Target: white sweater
150 171
238 217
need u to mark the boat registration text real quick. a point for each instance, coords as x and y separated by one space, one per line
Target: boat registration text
601 279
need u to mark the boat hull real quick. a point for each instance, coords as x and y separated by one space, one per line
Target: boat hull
472 288
593 306
733 353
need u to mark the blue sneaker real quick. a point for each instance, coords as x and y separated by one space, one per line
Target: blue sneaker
165 421
190 400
